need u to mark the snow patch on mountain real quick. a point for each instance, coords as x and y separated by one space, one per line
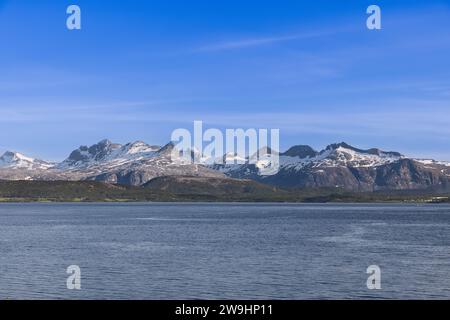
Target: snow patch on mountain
298 158
433 162
341 155
108 155
16 160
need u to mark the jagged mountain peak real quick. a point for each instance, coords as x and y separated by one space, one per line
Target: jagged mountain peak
104 142
108 153
139 147
102 149
263 152
342 146
337 145
16 160
301 151
167 149
15 156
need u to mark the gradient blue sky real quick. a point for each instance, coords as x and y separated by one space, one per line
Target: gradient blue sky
139 69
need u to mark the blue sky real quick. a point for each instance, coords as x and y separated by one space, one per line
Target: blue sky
139 69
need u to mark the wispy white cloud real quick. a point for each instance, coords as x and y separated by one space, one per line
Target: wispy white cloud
427 122
414 127
261 41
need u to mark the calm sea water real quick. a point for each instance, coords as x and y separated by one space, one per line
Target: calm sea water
224 251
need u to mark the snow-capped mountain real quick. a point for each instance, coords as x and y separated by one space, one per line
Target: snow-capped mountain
132 164
108 154
334 155
15 160
344 166
340 154
338 165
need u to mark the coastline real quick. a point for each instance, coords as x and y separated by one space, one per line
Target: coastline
92 191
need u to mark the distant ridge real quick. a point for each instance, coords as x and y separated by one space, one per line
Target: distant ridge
339 165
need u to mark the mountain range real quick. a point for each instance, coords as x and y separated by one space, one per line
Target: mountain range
339 165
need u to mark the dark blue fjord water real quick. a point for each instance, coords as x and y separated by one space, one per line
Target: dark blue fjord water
224 251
